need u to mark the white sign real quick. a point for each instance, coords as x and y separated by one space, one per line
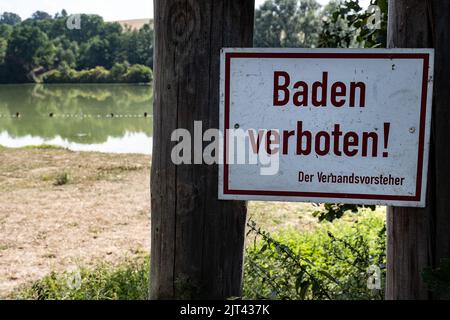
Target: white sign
326 125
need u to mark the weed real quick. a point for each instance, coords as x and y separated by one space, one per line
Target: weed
62 179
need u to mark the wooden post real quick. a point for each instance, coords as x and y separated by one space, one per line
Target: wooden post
418 238
197 241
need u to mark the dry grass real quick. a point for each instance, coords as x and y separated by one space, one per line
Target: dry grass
274 216
60 209
100 212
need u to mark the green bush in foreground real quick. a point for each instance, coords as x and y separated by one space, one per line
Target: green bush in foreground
127 281
330 262
438 279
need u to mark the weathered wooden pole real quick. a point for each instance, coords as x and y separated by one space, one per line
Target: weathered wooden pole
197 241
418 238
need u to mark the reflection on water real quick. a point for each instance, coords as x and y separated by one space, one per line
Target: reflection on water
104 118
129 143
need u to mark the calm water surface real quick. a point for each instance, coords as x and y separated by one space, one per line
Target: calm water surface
104 118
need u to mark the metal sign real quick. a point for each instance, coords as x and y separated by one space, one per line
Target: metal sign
326 125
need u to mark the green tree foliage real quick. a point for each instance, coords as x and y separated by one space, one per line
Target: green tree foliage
347 24
10 18
96 52
139 45
3 47
41 15
331 211
287 23
66 52
28 48
5 33
44 44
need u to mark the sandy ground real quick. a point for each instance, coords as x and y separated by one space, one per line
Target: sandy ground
102 213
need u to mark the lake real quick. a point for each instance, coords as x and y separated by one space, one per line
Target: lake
112 118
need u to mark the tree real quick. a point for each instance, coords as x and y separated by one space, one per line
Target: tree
346 24
28 48
287 23
10 18
3 47
97 43
95 53
41 15
5 33
55 28
62 14
92 26
138 46
145 47
336 31
66 52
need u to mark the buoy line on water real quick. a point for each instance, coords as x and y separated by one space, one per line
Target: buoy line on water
55 115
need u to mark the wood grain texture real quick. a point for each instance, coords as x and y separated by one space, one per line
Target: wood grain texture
197 241
418 238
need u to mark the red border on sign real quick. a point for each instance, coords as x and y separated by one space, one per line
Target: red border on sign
237 55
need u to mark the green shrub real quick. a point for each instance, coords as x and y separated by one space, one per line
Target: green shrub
52 76
138 74
62 179
438 279
331 262
64 74
99 75
95 75
127 281
120 73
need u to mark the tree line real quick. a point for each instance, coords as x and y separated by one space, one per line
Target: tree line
305 24
44 49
